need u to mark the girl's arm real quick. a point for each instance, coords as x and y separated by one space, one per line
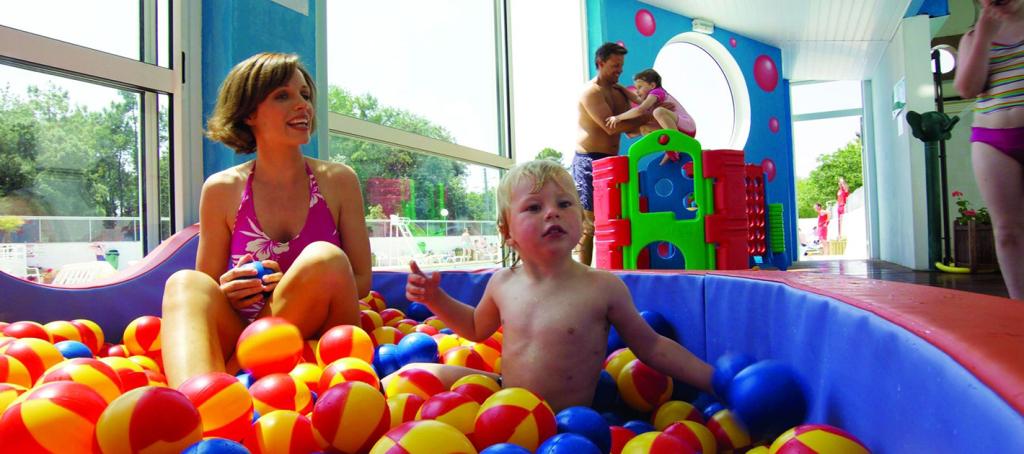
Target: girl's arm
972 67
473 324
644 106
630 95
352 229
659 352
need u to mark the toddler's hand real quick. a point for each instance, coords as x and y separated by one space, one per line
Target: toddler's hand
422 288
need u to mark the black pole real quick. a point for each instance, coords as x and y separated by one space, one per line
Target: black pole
937 81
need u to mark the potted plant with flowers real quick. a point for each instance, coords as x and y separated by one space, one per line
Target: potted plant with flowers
975 246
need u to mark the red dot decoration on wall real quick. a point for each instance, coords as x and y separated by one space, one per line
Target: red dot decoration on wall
732 41
768 166
773 124
766 73
645 22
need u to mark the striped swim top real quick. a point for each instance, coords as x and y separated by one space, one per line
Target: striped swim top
1005 88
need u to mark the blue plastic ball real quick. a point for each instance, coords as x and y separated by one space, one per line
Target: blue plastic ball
570 443
505 448
614 341
417 348
638 427
246 378
607 392
659 323
726 367
446 331
612 418
73 349
711 409
385 360
418 311
768 398
586 422
703 400
258 266
216 446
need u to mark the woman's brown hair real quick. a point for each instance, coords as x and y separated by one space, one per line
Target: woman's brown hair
244 88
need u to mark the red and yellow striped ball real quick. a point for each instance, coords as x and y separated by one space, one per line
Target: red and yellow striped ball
675 411
93 373
90 333
309 351
642 387
62 330
465 357
225 406
350 417
817 438
54 417
116 350
27 330
435 322
514 415
36 355
698 436
403 408
344 341
131 373
147 363
385 335
269 345
9 392
391 316
728 431
406 325
375 301
425 329
423 437
476 386
446 342
621 436
618 359
449 407
149 418
348 369
656 443
142 337
281 392
309 374
490 351
420 382
155 378
14 372
370 320
282 431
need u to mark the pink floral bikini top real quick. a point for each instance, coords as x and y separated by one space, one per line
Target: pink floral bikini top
249 238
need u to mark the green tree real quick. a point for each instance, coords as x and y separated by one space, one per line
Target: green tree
439 182
823 182
550 153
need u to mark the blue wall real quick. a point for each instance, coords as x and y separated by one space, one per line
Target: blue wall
234 30
615 21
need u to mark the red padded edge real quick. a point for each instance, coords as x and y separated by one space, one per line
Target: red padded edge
985 334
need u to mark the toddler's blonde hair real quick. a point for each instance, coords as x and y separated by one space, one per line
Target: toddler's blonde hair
539 172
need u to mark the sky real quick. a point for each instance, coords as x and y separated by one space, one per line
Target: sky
449 78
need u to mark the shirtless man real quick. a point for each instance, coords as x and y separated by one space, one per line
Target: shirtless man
602 97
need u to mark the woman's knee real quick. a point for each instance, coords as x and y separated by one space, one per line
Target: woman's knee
189 290
323 254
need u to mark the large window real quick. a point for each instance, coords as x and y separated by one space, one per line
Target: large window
86 98
418 101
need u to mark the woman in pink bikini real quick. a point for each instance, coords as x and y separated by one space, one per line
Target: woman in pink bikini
301 218
991 68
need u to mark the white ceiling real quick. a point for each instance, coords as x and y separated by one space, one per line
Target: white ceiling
820 39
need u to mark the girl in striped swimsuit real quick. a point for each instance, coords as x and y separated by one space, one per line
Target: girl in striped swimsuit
991 68
301 218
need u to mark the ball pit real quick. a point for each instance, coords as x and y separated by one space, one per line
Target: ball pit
931 354
514 415
66 408
452 408
423 437
269 345
146 418
282 432
224 404
350 417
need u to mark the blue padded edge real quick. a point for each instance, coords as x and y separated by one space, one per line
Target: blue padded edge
111 306
893 390
678 297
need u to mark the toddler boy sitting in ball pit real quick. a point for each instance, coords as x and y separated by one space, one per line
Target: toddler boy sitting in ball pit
555 312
